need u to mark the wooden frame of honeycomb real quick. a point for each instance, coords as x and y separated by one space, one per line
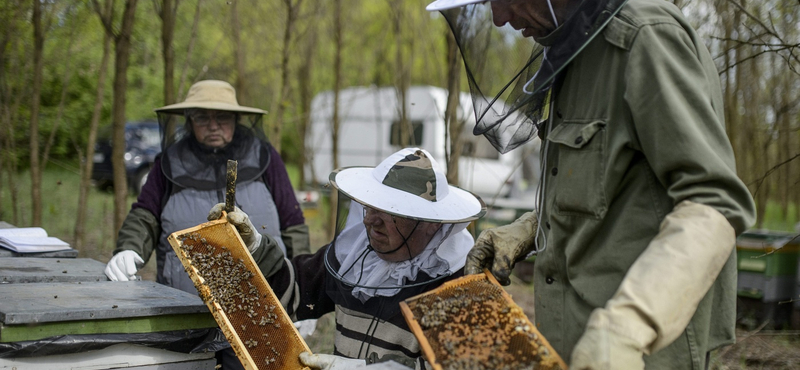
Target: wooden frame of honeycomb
246 309
472 323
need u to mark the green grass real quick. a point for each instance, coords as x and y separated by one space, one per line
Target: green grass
775 219
60 189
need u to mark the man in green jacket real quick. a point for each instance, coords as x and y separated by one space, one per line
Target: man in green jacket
640 203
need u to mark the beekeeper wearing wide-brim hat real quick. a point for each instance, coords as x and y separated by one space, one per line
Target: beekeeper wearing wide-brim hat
199 136
401 231
406 193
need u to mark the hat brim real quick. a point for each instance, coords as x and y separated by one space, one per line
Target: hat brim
358 183
180 107
449 4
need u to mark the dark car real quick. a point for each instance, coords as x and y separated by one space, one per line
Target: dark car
142 144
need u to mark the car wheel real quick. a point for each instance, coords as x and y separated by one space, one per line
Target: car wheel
140 179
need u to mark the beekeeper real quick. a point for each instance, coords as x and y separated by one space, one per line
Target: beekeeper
401 232
639 201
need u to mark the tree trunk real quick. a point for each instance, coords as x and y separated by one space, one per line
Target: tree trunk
121 59
38 66
406 132
168 11
241 66
454 124
337 85
305 97
10 99
189 51
88 160
283 99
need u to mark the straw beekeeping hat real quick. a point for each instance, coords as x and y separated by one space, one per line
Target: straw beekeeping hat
210 94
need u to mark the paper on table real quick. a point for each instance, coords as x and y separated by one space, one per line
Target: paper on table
30 240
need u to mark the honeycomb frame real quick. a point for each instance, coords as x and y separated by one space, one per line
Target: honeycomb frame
230 283
472 323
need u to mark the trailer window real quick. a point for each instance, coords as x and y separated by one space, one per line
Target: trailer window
478 147
413 138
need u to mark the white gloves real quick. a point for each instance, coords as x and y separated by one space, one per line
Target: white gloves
660 292
240 220
331 362
306 327
123 266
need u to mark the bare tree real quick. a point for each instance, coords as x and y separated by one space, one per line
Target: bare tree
38 66
454 125
292 9
337 85
87 164
239 50
402 74
11 95
305 93
167 10
122 45
189 51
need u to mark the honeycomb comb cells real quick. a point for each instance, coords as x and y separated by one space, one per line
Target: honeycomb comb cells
472 323
247 310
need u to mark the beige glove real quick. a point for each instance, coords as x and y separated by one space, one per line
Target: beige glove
502 247
660 292
331 362
240 220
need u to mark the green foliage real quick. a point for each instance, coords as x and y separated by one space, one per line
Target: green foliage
373 50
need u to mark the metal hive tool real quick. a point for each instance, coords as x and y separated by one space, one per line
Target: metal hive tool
472 323
245 307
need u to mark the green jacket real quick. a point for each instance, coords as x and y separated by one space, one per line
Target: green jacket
637 126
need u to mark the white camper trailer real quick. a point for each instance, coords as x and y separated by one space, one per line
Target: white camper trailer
369 132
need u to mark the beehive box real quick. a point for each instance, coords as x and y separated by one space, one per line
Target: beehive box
472 323
237 294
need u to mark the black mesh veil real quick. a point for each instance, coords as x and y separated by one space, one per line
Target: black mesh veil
190 164
510 76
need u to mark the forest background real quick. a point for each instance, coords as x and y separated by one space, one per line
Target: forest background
71 67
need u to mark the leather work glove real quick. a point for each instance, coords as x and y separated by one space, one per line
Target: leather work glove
123 266
660 292
331 362
240 220
502 247
306 327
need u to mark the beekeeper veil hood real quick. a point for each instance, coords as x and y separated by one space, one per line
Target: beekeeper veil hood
408 184
511 77
190 164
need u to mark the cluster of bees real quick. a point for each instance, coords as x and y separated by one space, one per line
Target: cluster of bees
235 289
473 326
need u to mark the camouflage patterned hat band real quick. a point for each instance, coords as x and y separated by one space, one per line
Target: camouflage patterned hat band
413 174
409 183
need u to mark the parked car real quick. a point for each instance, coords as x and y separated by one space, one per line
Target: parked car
142 144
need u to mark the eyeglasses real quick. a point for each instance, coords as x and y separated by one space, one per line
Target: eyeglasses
222 118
